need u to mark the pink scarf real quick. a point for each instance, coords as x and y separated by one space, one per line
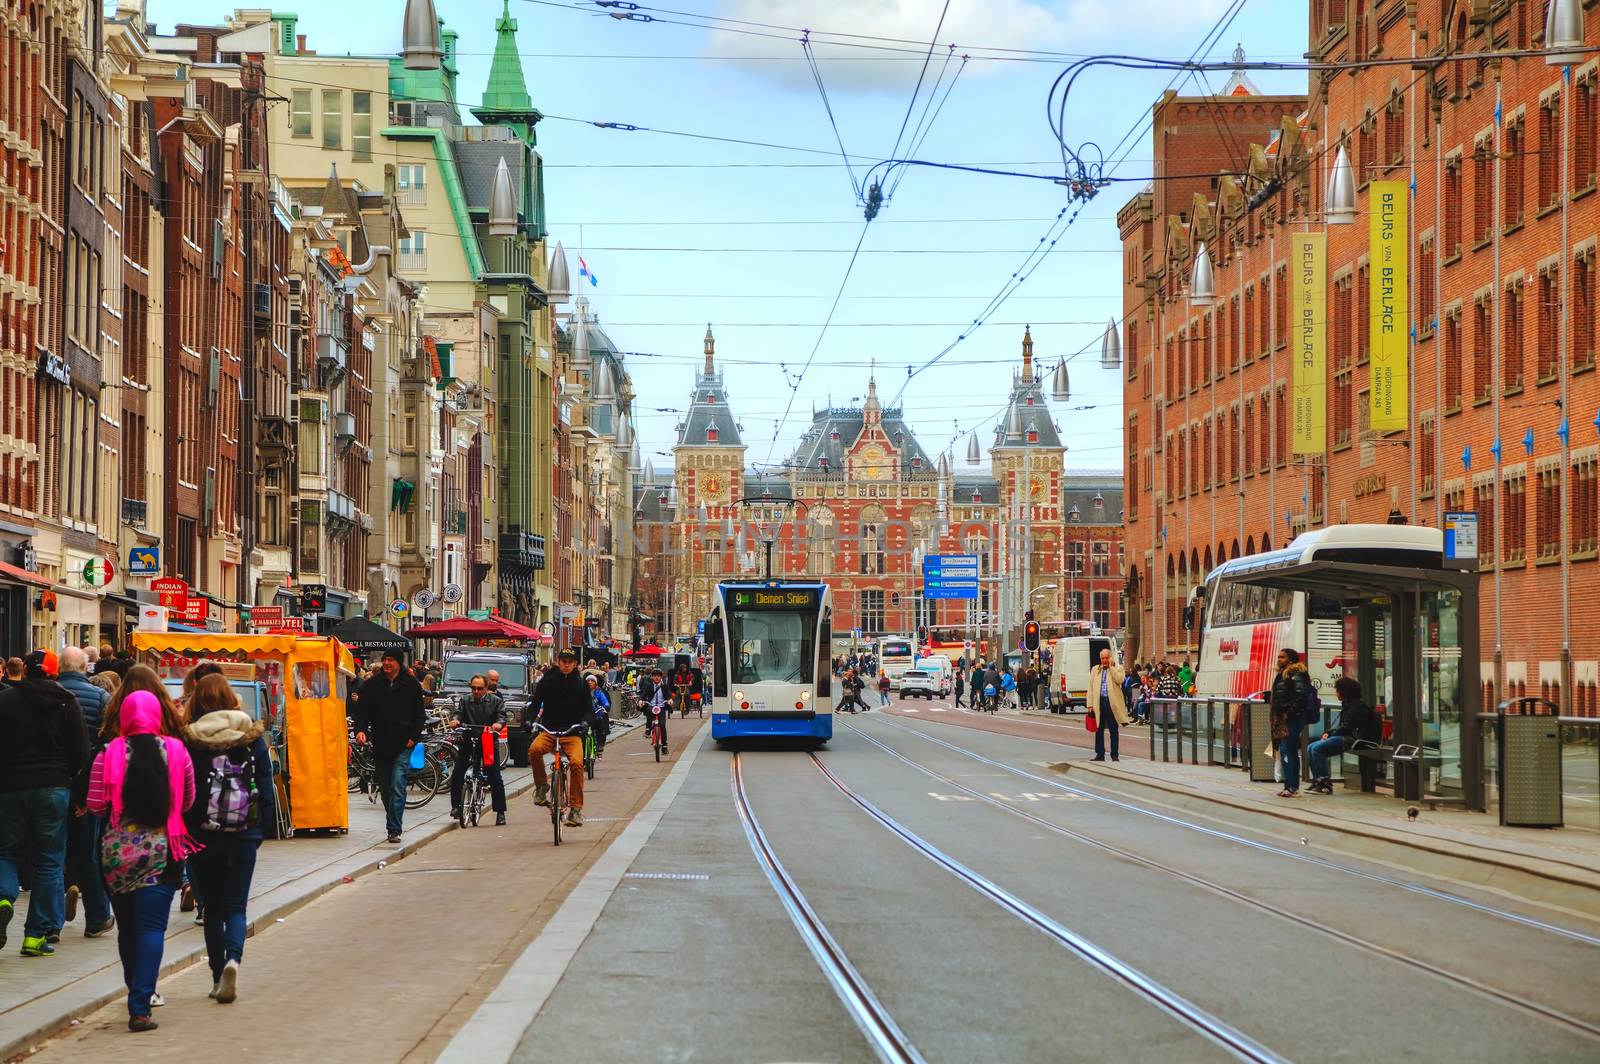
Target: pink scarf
141 715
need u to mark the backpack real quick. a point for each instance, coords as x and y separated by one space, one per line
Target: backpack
233 804
1313 706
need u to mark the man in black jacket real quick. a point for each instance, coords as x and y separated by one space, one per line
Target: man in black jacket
481 709
560 703
390 710
43 745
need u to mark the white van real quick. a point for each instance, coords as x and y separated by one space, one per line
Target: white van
1072 658
942 671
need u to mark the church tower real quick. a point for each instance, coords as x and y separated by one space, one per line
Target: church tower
708 472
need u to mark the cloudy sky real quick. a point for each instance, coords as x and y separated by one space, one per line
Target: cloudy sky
756 238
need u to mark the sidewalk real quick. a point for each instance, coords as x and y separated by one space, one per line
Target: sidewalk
1559 867
39 996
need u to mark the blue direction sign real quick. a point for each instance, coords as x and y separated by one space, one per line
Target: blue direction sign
950 576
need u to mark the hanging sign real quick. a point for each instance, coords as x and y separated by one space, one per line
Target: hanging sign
1390 330
1308 306
98 572
144 561
171 592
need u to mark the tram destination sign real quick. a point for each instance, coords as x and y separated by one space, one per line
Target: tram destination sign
950 576
776 598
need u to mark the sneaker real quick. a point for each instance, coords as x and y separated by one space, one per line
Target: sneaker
37 946
156 1000
455 814
52 937
499 820
213 993
541 794
574 817
100 929
394 838
199 917
7 910
73 893
142 1023
228 984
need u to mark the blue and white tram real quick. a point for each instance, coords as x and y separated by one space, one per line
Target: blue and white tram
770 644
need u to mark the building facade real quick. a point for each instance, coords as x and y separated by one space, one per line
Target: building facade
1500 151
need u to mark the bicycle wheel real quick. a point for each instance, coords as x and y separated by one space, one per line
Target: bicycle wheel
558 796
655 741
425 782
477 798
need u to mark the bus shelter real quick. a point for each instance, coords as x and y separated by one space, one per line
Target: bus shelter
1410 636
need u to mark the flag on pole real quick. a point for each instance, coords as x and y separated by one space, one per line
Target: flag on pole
583 271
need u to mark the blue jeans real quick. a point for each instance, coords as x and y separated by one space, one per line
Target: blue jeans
83 868
141 938
36 819
221 874
392 780
1106 722
1320 751
1289 750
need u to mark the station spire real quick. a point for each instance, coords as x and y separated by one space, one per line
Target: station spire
1027 353
505 97
711 351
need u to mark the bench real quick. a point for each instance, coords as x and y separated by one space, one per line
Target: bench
1372 759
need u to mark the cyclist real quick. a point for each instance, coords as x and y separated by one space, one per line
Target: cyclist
561 701
479 710
602 713
657 708
682 684
1008 686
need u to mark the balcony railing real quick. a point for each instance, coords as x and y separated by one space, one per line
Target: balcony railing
135 511
274 435
455 522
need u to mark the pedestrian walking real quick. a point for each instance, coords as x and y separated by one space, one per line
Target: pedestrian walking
13 673
883 690
1291 692
83 828
43 745
1105 684
142 783
234 798
390 711
960 684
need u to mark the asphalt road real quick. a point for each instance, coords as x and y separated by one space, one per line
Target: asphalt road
1301 960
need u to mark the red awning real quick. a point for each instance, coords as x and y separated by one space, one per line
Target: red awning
649 650
16 572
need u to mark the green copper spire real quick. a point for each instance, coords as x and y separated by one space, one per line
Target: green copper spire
505 98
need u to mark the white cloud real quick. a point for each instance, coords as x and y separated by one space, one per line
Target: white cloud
1078 26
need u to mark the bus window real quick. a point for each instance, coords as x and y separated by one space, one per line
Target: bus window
1236 595
1285 603
1254 607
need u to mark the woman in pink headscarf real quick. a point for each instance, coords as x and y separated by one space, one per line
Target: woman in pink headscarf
141 784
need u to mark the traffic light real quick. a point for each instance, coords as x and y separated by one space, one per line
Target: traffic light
1188 615
922 633
1030 636
313 599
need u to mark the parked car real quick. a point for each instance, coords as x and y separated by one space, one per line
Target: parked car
519 672
929 685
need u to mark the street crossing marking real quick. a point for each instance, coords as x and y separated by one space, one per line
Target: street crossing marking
665 875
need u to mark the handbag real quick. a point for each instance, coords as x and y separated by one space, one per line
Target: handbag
418 758
1089 721
132 856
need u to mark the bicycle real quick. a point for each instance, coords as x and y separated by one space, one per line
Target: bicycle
680 700
421 783
590 752
474 787
558 775
656 732
699 705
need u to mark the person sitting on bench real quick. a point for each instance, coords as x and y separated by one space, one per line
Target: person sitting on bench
1357 720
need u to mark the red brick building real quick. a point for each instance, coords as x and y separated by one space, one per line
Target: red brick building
1502 391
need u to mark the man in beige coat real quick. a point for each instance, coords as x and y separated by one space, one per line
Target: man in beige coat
1105 692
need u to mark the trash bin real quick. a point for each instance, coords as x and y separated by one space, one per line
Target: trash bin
1258 733
1530 763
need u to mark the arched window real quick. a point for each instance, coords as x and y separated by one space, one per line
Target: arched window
873 532
1249 545
820 541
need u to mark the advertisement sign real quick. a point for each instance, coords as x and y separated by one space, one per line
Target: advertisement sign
1390 284
144 561
1461 538
171 592
1308 319
152 618
266 616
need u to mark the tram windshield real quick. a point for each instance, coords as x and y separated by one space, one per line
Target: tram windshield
773 645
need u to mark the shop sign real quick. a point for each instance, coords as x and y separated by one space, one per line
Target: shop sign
171 592
266 616
144 561
98 572
194 611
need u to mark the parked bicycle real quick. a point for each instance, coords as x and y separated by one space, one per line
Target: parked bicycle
421 783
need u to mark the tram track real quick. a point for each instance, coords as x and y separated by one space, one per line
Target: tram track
876 1024
1215 1030
1264 847
1519 1003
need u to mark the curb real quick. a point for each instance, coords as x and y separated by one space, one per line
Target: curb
1555 884
45 1016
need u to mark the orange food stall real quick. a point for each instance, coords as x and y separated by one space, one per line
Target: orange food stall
304 714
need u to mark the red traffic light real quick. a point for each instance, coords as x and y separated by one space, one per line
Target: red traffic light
1030 635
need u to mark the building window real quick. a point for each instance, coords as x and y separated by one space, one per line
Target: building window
1584 515
1452 212
1345 324
361 125
1075 557
1511 360
1102 610
1280 410
1514 535
1452 360
1368 161
1394 128
1512 145
820 547
412 185
1280 301
1343 408
1427 291
1547 519
1482 193
1583 325
1363 327
1583 135
1427 430
1550 152
1249 437
332 118
1074 605
414 251
1100 559
300 113
872 611
1547 350
1482 351
871 548
1133 467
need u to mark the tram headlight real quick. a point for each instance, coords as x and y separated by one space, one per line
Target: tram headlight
805 694
738 696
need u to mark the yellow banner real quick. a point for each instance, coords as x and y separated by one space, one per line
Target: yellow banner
1390 280
1308 318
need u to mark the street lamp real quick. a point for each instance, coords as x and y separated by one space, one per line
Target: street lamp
1339 206
1563 33
421 50
1202 292
1111 347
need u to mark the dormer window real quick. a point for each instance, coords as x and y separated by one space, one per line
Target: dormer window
711 434
834 435
1029 400
662 498
1074 515
1099 502
823 461
977 496
916 463
1033 434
